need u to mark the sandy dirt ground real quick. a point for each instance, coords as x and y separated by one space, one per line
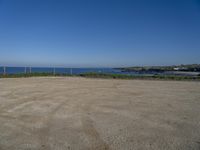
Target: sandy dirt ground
95 114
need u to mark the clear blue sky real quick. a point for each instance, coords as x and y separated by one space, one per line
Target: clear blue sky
99 33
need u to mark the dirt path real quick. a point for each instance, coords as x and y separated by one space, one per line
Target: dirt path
79 113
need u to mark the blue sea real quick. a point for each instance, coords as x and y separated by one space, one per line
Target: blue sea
18 70
76 71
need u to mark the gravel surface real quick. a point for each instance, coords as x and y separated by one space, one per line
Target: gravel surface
60 113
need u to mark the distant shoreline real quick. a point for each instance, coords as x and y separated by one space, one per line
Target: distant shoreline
181 72
186 68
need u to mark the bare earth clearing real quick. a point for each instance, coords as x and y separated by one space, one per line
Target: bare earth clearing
77 113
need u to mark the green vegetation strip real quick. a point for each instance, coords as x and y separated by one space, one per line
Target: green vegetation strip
106 76
22 75
157 77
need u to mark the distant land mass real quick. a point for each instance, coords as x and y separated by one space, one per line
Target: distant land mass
185 68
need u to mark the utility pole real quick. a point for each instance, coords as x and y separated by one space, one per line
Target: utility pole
4 70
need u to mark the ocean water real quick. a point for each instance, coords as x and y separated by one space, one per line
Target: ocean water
18 70
76 71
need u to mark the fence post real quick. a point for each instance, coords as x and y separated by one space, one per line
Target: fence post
4 70
30 70
54 71
71 71
66 71
25 70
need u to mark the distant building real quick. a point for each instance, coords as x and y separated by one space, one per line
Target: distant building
176 69
180 68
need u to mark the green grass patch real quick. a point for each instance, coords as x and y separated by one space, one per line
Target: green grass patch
105 76
23 75
121 76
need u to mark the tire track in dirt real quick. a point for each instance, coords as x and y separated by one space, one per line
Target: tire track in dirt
88 127
43 133
95 140
12 106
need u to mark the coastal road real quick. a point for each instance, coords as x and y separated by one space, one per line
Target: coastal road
61 113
